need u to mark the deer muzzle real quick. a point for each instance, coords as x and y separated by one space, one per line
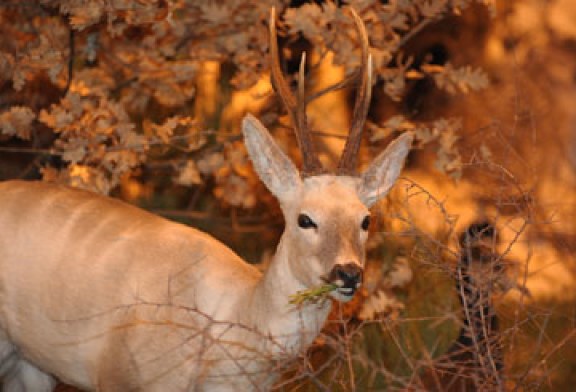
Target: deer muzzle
348 278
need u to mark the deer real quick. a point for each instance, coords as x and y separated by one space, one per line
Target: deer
105 296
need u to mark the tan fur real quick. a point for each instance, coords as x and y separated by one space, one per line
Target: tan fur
108 297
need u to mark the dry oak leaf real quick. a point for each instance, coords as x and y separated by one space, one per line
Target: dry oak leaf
236 191
189 175
17 121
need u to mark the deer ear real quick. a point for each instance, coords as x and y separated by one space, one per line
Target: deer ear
274 168
383 172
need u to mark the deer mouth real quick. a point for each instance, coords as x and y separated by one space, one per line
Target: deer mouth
347 279
344 292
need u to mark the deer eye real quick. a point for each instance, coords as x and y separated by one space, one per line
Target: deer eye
305 222
365 223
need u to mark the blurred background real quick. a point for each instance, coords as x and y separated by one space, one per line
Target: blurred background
143 99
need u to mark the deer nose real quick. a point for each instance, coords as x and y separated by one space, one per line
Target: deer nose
347 275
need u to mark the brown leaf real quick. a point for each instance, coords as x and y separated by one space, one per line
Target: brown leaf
17 121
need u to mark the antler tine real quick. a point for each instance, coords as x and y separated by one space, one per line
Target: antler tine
296 106
347 163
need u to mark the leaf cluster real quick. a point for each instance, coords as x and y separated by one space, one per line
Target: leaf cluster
130 81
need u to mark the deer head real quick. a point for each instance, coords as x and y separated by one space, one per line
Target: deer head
327 214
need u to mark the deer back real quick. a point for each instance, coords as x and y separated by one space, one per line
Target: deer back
87 281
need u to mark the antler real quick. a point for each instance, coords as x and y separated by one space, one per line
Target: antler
296 107
347 163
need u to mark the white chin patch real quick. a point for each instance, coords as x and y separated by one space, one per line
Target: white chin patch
346 291
343 294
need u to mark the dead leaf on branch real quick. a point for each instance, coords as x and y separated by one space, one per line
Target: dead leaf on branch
79 176
211 163
432 8
120 162
81 13
235 191
166 131
459 80
308 19
63 115
93 81
442 133
171 83
394 124
45 49
163 131
394 82
97 138
74 152
119 13
215 13
17 121
188 175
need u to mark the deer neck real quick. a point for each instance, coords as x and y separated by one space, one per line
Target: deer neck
291 327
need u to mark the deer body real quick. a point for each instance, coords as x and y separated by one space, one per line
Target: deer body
80 305
108 297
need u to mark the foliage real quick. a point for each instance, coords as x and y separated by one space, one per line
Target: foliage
127 73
